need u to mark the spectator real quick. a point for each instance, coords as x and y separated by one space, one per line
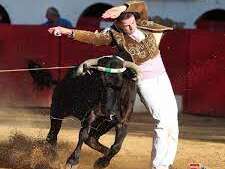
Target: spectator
54 19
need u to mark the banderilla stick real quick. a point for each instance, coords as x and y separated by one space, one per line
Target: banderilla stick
47 68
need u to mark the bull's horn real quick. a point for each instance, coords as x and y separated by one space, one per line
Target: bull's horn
89 63
133 66
110 70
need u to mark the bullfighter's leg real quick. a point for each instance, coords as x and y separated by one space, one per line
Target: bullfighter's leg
73 160
121 132
53 132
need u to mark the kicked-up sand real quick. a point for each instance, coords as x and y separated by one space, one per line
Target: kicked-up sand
23 146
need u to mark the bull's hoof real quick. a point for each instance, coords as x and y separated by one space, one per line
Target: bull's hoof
102 162
51 140
51 151
69 166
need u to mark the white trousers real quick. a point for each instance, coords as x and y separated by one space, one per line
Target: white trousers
158 96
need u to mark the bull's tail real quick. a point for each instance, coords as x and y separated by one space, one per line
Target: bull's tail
43 78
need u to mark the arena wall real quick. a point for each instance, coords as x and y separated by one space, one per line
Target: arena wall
194 60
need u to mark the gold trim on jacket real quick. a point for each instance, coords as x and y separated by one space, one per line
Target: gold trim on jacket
138 51
95 38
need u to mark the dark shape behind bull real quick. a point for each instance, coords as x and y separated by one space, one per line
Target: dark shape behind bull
41 78
101 101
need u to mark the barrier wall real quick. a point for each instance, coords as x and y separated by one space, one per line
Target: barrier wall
19 45
206 73
194 60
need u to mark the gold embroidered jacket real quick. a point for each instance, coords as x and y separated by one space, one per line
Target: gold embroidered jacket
139 52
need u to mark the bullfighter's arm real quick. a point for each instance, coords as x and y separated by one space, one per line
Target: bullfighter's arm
130 6
95 38
141 8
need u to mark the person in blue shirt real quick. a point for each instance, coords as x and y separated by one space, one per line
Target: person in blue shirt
54 19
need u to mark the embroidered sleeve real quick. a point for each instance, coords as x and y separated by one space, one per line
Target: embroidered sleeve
95 38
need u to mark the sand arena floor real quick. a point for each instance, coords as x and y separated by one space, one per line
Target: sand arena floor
22 146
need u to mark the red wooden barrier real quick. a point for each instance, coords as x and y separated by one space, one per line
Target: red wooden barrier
19 44
194 59
206 73
211 26
73 52
174 51
195 62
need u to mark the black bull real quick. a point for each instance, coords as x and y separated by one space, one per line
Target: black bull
101 101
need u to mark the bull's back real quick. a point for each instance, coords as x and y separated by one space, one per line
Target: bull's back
76 95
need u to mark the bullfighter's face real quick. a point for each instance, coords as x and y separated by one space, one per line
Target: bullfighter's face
128 25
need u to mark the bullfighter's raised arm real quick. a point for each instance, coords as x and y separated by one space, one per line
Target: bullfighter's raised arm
130 6
139 7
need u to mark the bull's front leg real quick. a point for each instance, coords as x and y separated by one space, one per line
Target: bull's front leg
94 143
121 132
73 160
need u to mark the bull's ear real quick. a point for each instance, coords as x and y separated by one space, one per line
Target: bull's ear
133 76
129 73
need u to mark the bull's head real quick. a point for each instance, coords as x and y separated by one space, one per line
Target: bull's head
113 74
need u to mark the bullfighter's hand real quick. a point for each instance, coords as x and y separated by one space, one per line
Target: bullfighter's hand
58 31
114 12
